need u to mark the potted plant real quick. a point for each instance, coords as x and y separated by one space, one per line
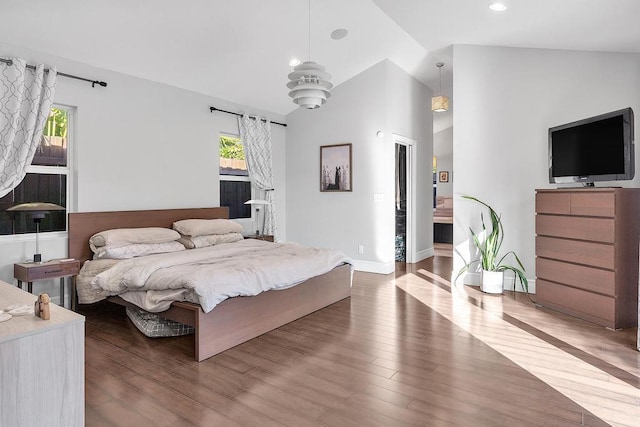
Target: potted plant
493 266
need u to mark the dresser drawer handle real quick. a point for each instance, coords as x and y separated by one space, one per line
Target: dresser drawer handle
53 271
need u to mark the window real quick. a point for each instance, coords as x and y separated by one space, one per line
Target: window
46 179
235 185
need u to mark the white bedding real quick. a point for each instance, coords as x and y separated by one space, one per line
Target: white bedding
208 276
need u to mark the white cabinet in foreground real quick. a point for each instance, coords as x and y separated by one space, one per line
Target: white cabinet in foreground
41 365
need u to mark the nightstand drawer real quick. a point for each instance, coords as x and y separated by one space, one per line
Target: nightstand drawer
29 272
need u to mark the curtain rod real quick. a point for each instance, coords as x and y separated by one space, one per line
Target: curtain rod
212 109
71 76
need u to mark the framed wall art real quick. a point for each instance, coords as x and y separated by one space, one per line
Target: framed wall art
335 167
444 176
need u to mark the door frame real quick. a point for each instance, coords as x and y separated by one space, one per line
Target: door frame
410 242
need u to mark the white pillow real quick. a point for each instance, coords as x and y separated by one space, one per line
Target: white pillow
136 249
210 240
124 236
206 227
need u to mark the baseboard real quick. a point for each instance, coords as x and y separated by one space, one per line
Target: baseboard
475 279
508 285
374 267
427 253
387 267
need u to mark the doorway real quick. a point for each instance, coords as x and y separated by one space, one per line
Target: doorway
404 199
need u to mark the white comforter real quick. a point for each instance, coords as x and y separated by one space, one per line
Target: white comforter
210 275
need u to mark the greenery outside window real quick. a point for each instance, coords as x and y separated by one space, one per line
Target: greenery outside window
46 179
235 185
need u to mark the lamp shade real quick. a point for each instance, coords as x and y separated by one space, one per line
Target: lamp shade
257 202
309 84
36 209
439 103
35 206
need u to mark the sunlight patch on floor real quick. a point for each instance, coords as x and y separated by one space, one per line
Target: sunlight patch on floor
604 395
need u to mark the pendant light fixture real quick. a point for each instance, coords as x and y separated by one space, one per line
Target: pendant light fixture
440 103
309 82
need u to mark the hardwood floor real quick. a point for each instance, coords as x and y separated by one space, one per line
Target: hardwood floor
405 349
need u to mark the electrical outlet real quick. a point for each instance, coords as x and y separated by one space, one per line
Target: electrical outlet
360 249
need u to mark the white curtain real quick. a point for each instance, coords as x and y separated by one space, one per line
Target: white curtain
256 137
26 96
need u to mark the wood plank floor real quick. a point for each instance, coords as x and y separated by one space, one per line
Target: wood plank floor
405 349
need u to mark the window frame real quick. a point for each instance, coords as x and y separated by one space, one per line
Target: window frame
54 170
224 177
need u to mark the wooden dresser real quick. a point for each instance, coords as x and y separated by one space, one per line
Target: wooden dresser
41 365
587 253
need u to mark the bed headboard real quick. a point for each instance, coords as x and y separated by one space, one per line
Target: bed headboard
83 225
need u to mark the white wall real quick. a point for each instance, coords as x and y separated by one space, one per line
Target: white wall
408 108
443 150
382 97
506 99
138 145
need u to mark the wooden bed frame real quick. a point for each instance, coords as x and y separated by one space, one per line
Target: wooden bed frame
235 320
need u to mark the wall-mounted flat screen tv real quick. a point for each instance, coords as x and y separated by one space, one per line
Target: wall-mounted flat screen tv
599 148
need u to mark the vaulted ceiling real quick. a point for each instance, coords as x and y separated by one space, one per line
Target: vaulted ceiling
239 50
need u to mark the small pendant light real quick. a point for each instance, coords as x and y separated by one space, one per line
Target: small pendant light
440 103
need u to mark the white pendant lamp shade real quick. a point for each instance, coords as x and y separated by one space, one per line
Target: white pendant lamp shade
309 84
439 103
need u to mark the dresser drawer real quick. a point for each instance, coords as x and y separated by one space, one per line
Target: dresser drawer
586 253
577 276
593 204
580 203
584 304
553 203
581 228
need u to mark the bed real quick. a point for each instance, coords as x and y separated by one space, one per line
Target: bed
443 220
234 320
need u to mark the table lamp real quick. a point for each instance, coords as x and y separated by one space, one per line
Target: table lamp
37 211
258 203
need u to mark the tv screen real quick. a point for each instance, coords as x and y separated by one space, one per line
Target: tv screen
599 148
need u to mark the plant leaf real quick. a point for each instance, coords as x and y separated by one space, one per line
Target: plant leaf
490 247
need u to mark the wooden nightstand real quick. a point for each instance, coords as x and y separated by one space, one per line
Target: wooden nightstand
31 271
265 237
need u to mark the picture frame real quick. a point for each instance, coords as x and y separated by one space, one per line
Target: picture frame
335 168
443 176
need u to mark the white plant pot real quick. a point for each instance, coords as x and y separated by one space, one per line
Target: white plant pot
492 282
